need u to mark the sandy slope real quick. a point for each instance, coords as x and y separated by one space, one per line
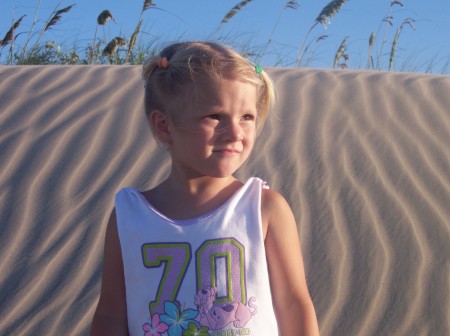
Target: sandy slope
363 158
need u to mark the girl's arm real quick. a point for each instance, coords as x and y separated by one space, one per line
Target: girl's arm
110 318
292 303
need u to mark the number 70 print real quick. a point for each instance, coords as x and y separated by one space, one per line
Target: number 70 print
176 259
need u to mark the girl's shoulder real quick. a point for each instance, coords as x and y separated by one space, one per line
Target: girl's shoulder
272 202
275 211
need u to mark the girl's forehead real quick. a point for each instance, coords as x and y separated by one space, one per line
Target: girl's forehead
214 86
208 91
214 93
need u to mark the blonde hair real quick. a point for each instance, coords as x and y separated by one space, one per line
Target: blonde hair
171 76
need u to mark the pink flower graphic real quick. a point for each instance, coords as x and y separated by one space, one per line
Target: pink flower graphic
156 328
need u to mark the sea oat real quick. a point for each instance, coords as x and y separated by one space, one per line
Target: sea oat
330 11
371 40
234 11
410 22
56 17
104 17
133 39
147 5
394 2
394 48
121 41
341 53
292 4
369 55
10 34
407 21
112 46
64 10
388 19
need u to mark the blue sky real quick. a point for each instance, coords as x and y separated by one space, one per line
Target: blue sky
426 47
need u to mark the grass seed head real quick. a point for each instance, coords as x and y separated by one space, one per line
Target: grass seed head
110 48
371 40
55 19
134 36
395 2
147 5
330 11
341 53
292 4
10 34
121 41
64 10
235 10
104 17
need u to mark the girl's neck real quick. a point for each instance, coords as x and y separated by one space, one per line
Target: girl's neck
189 198
199 186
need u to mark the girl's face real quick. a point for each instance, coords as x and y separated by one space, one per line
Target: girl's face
214 136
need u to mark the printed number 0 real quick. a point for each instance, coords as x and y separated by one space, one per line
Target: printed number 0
176 258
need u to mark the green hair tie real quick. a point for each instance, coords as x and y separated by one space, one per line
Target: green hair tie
258 69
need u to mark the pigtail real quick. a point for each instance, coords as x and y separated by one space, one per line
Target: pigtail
149 66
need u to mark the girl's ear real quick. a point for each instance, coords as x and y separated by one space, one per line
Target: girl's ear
160 126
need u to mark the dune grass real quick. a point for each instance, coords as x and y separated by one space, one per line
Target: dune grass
133 49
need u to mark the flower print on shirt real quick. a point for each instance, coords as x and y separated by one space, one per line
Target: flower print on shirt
176 319
155 328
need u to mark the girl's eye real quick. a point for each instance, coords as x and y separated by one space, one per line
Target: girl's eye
214 117
248 117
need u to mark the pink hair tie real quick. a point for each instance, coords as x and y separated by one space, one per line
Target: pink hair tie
163 63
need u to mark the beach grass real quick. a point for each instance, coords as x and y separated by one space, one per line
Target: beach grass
131 47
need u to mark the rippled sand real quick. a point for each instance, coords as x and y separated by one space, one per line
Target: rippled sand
362 157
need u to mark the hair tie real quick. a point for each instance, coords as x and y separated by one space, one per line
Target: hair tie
163 63
258 69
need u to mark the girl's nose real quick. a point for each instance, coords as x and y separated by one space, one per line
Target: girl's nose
233 132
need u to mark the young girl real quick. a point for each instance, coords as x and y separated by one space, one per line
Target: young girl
204 253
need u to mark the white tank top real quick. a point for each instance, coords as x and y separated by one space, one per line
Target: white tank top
202 276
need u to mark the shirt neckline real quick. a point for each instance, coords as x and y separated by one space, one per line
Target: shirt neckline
194 220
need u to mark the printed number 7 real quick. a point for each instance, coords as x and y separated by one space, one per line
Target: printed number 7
176 257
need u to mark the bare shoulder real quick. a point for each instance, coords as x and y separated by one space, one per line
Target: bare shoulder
273 201
275 210
278 219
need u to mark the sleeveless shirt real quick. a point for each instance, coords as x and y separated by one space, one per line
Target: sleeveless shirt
202 276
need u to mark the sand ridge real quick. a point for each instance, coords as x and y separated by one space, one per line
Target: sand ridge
362 157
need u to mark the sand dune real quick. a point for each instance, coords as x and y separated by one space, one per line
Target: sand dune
362 157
